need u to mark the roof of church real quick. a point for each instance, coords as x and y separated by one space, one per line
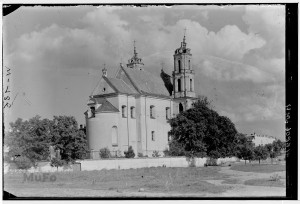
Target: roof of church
105 105
147 83
121 86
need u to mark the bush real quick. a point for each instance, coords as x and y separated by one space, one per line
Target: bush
155 154
55 162
140 155
130 153
104 153
23 162
211 162
166 152
275 177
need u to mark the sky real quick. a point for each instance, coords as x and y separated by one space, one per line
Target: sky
56 54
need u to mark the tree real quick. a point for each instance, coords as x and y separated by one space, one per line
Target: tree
244 149
201 131
260 153
32 138
57 162
28 139
68 138
274 149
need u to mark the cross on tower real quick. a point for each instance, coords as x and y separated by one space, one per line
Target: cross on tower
184 35
134 47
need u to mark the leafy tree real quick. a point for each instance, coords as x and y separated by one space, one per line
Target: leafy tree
200 131
31 139
57 162
28 139
68 138
260 153
274 149
244 148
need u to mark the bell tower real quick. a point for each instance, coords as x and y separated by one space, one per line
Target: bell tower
183 74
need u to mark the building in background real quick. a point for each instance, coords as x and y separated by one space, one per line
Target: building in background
133 108
261 139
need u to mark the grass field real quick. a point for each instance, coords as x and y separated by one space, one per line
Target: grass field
160 181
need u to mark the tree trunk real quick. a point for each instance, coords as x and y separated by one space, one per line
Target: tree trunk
259 161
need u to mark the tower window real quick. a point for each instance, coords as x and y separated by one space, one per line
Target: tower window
179 66
152 112
114 136
132 111
93 111
167 113
191 84
189 64
179 85
153 135
180 107
124 111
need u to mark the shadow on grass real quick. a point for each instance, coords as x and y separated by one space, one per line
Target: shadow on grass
264 182
262 168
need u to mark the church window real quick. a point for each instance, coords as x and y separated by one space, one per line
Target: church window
180 107
167 113
152 111
114 136
132 112
191 84
124 111
153 135
93 111
179 85
179 66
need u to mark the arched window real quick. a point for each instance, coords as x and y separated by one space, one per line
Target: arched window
93 111
153 135
114 136
180 107
191 84
152 111
124 111
132 112
189 64
179 66
179 85
167 113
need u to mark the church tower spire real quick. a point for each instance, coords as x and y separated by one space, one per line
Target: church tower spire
135 62
183 74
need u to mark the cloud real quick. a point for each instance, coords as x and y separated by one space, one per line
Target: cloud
225 70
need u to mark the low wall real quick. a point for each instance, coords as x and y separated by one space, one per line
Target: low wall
123 163
89 165
43 167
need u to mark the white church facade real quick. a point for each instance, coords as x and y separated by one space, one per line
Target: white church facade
134 107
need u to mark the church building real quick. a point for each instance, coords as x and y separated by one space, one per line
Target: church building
133 108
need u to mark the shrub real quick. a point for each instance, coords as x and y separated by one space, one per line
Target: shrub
23 162
130 153
155 154
55 162
211 162
140 155
166 152
104 153
275 177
